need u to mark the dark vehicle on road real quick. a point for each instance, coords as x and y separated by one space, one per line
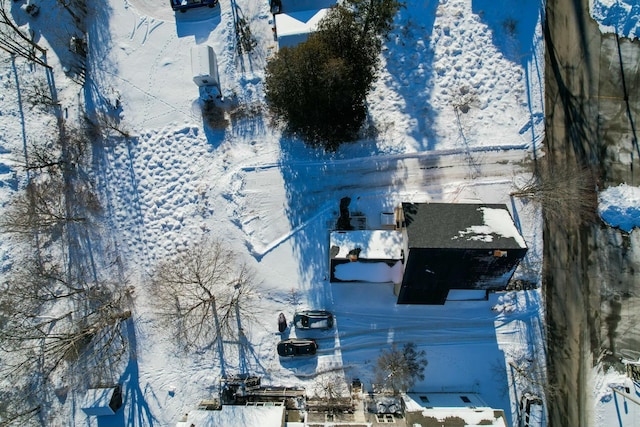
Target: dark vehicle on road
183 5
313 319
297 347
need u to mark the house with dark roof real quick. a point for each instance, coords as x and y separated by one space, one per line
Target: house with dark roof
456 246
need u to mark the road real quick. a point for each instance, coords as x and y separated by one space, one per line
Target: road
591 289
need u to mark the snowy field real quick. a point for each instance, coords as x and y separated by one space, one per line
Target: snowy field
456 115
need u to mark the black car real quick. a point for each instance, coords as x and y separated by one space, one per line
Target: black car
183 5
297 347
313 319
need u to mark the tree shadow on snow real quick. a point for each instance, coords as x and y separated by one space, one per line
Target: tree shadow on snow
513 25
136 409
198 22
81 31
409 61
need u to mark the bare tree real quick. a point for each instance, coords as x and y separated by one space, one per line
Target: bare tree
398 369
14 41
330 394
19 405
49 319
201 291
331 386
567 194
40 209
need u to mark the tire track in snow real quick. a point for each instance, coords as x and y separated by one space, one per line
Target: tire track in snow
187 114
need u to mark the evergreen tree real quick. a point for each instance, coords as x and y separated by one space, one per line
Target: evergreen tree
319 87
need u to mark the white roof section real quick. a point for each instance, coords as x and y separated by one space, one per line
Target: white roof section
372 272
301 22
441 406
374 244
496 221
236 416
96 401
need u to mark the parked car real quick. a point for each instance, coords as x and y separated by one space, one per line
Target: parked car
183 5
297 347
313 319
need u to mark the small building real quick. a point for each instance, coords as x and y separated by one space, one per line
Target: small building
456 246
236 416
204 66
450 410
99 402
366 256
294 20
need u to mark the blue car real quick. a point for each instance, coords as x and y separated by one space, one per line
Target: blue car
183 5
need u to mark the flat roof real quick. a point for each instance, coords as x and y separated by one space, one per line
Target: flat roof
373 244
467 406
461 226
372 272
301 22
96 401
237 416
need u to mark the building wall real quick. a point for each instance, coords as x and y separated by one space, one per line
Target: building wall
430 273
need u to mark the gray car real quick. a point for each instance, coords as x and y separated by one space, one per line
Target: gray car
313 319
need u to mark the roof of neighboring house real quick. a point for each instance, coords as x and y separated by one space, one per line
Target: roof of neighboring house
300 22
289 6
298 18
236 416
461 226
447 409
98 401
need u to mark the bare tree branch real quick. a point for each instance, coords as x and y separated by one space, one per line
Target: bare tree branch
201 291
567 194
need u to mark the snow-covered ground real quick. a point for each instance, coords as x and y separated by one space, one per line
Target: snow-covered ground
620 207
456 115
620 17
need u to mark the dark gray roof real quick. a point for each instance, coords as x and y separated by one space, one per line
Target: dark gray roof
461 226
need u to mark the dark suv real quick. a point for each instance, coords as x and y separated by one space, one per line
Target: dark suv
297 347
183 5
313 319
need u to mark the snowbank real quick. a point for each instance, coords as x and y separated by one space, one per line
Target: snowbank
620 17
620 206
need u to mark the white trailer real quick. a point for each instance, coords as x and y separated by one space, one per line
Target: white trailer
204 66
